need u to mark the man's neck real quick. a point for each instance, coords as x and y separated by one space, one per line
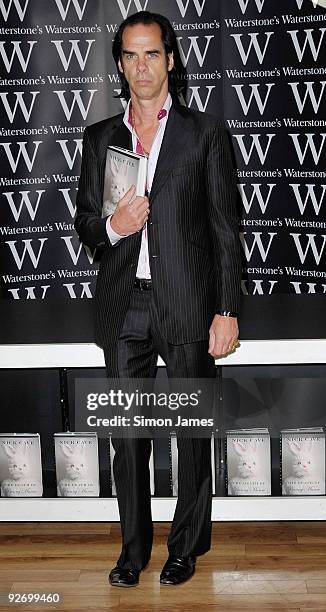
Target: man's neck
145 111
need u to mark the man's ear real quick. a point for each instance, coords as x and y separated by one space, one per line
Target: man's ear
170 61
120 66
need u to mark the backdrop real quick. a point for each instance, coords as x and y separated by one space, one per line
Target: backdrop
256 63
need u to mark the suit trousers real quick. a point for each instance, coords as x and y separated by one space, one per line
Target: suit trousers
135 356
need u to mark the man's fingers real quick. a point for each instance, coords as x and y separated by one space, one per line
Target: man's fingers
140 210
226 331
211 341
128 196
222 346
131 214
220 349
145 217
140 204
234 345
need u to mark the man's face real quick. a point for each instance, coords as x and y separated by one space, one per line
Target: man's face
144 62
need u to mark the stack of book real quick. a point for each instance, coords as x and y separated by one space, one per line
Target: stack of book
303 461
20 465
248 462
77 465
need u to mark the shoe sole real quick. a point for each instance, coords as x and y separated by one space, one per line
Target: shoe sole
120 584
169 584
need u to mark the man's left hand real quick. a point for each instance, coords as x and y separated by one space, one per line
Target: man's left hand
223 332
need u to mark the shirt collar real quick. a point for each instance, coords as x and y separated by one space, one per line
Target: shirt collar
166 106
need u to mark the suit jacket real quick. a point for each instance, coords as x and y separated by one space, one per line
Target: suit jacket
193 233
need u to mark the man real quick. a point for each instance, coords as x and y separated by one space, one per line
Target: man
169 276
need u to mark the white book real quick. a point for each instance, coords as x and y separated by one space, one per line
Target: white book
254 430
123 168
151 470
77 465
303 461
248 462
303 430
20 465
173 448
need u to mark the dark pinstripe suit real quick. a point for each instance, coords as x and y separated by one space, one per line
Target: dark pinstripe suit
195 268
192 231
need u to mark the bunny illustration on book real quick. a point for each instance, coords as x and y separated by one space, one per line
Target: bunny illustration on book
118 187
299 481
246 470
76 482
20 482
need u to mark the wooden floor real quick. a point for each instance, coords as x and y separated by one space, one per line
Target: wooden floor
251 566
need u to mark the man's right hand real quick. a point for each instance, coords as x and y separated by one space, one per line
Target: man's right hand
128 217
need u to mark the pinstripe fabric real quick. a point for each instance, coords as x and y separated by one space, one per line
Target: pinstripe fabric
192 230
135 356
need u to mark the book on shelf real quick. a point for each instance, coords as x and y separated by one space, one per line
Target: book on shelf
151 469
303 461
20 465
173 464
248 454
77 464
123 168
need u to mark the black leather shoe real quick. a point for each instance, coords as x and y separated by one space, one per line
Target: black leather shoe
177 570
122 577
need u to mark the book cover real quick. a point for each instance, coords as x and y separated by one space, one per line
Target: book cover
123 168
151 470
77 465
248 462
20 465
173 452
303 461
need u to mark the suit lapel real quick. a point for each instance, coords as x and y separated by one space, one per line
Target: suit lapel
176 141
120 136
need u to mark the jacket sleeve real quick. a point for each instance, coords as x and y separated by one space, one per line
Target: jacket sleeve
222 193
89 224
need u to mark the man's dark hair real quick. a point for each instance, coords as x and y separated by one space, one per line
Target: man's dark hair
176 76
